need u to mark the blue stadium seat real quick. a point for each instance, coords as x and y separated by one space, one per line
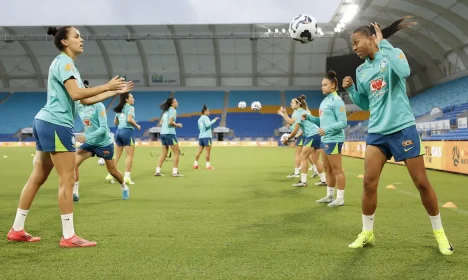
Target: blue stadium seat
192 101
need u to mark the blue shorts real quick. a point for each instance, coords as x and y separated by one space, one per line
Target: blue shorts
168 139
332 148
300 141
402 145
124 137
53 138
313 141
106 152
205 142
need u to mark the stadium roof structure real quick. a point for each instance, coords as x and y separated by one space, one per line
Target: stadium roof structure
242 55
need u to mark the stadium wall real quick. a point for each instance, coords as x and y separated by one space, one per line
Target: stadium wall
451 156
158 144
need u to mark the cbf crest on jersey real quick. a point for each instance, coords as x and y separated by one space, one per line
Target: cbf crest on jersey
383 65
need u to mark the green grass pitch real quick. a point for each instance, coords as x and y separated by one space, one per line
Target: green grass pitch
243 220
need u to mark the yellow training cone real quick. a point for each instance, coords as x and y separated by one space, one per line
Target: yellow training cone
449 205
390 187
360 176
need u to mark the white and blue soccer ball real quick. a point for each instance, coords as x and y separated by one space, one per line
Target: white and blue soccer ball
303 28
284 137
101 161
242 105
256 106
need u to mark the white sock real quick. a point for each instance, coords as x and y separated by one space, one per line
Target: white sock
75 187
330 191
297 170
315 168
340 194
127 174
67 225
19 219
304 177
367 222
322 177
195 163
174 171
436 222
158 169
208 164
124 186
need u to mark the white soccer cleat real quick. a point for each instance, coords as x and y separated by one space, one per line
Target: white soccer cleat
337 202
326 199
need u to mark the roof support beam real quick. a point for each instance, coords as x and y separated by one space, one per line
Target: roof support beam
445 34
4 75
292 57
144 58
180 58
253 50
216 55
105 54
32 57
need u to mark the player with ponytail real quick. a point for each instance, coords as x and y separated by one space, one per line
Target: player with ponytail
332 122
381 88
55 141
310 142
168 136
205 139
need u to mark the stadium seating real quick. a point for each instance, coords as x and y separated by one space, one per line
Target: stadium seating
191 102
253 124
19 109
443 96
453 135
452 98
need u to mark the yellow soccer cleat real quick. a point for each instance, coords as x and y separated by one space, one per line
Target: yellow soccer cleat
445 246
364 238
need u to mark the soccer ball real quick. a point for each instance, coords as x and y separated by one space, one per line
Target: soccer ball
101 161
303 28
284 137
242 105
256 106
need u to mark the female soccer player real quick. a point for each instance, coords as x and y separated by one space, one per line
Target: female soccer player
168 135
392 130
97 141
297 104
332 122
309 129
205 137
55 142
124 138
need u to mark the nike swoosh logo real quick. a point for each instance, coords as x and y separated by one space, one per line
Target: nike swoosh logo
408 149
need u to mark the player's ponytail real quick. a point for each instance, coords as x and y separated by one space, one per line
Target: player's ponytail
331 76
301 100
204 109
59 35
122 101
388 31
166 105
